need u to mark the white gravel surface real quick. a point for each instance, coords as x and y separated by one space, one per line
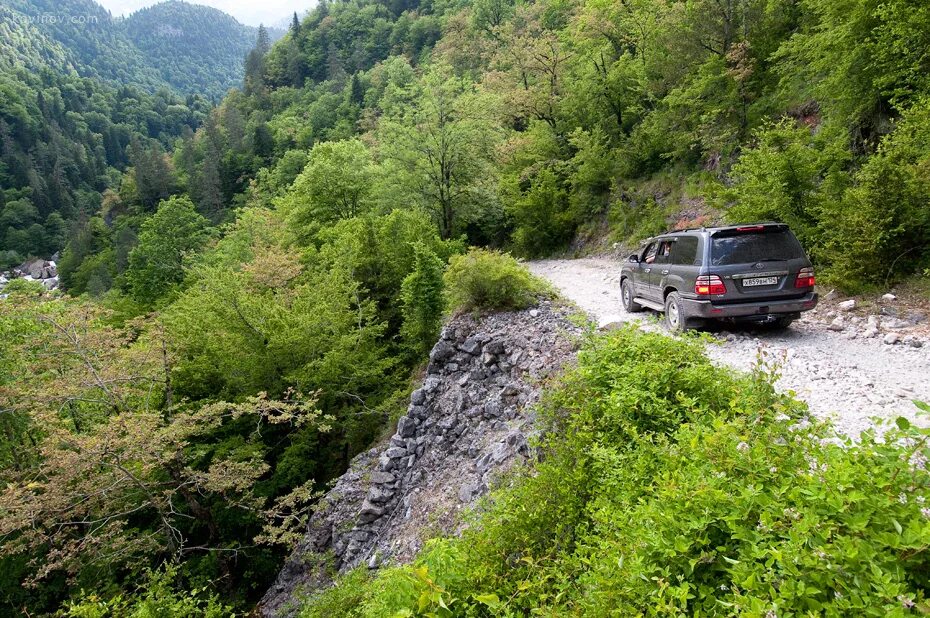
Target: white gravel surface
851 380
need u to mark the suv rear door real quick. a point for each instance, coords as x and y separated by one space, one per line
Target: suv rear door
683 265
756 262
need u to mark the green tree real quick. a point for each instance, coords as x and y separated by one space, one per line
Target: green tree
439 150
542 218
166 242
335 184
790 175
422 296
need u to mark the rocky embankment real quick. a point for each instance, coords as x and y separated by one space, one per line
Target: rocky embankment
471 419
43 271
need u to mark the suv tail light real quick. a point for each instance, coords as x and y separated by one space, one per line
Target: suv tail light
805 278
709 285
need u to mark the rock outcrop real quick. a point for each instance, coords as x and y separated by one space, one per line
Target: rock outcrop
43 271
471 419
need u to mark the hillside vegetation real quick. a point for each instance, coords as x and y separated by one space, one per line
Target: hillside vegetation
84 100
670 487
523 125
250 289
187 48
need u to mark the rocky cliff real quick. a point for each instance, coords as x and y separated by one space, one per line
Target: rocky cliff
470 420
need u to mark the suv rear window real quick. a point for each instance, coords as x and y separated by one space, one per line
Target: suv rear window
743 248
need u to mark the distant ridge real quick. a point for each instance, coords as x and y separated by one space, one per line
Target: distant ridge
175 45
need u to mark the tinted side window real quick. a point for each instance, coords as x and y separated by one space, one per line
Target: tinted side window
684 251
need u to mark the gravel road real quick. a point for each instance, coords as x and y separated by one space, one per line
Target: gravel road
837 371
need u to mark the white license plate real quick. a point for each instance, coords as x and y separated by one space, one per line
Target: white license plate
759 281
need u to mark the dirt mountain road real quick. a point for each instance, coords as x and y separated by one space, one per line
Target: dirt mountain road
840 373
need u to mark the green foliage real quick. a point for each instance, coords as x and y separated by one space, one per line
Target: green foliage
879 230
423 302
865 229
270 326
335 184
343 599
860 59
156 598
790 176
672 487
483 280
438 150
166 243
541 217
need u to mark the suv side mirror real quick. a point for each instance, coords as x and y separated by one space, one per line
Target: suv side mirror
634 258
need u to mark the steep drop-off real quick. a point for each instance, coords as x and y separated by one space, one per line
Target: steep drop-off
471 419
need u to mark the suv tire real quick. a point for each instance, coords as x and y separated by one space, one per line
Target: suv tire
781 323
626 294
674 320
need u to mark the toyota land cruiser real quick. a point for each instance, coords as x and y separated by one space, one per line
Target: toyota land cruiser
753 273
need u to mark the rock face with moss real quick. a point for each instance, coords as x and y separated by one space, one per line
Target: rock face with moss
471 419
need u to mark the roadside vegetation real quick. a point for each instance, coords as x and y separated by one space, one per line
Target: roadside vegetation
671 487
248 289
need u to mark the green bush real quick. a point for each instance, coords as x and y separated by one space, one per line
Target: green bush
671 487
483 280
422 298
157 598
542 218
879 230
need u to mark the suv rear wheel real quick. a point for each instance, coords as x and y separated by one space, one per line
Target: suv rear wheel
626 293
674 320
782 323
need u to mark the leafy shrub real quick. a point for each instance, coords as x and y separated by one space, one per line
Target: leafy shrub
343 599
421 295
542 218
672 487
484 280
635 222
879 229
157 598
789 176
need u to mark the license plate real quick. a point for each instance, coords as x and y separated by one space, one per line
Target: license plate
760 281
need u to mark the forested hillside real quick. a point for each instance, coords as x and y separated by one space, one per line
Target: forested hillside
247 304
195 49
86 96
63 143
187 48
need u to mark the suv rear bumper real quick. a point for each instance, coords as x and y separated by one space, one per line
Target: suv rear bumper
694 308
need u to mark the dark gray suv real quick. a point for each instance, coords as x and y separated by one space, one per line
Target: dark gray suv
754 273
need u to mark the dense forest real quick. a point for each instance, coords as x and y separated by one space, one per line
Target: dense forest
173 45
248 301
85 99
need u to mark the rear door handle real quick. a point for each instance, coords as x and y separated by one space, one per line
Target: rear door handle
665 272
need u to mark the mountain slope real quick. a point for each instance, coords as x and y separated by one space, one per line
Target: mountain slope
195 48
183 47
93 42
22 44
